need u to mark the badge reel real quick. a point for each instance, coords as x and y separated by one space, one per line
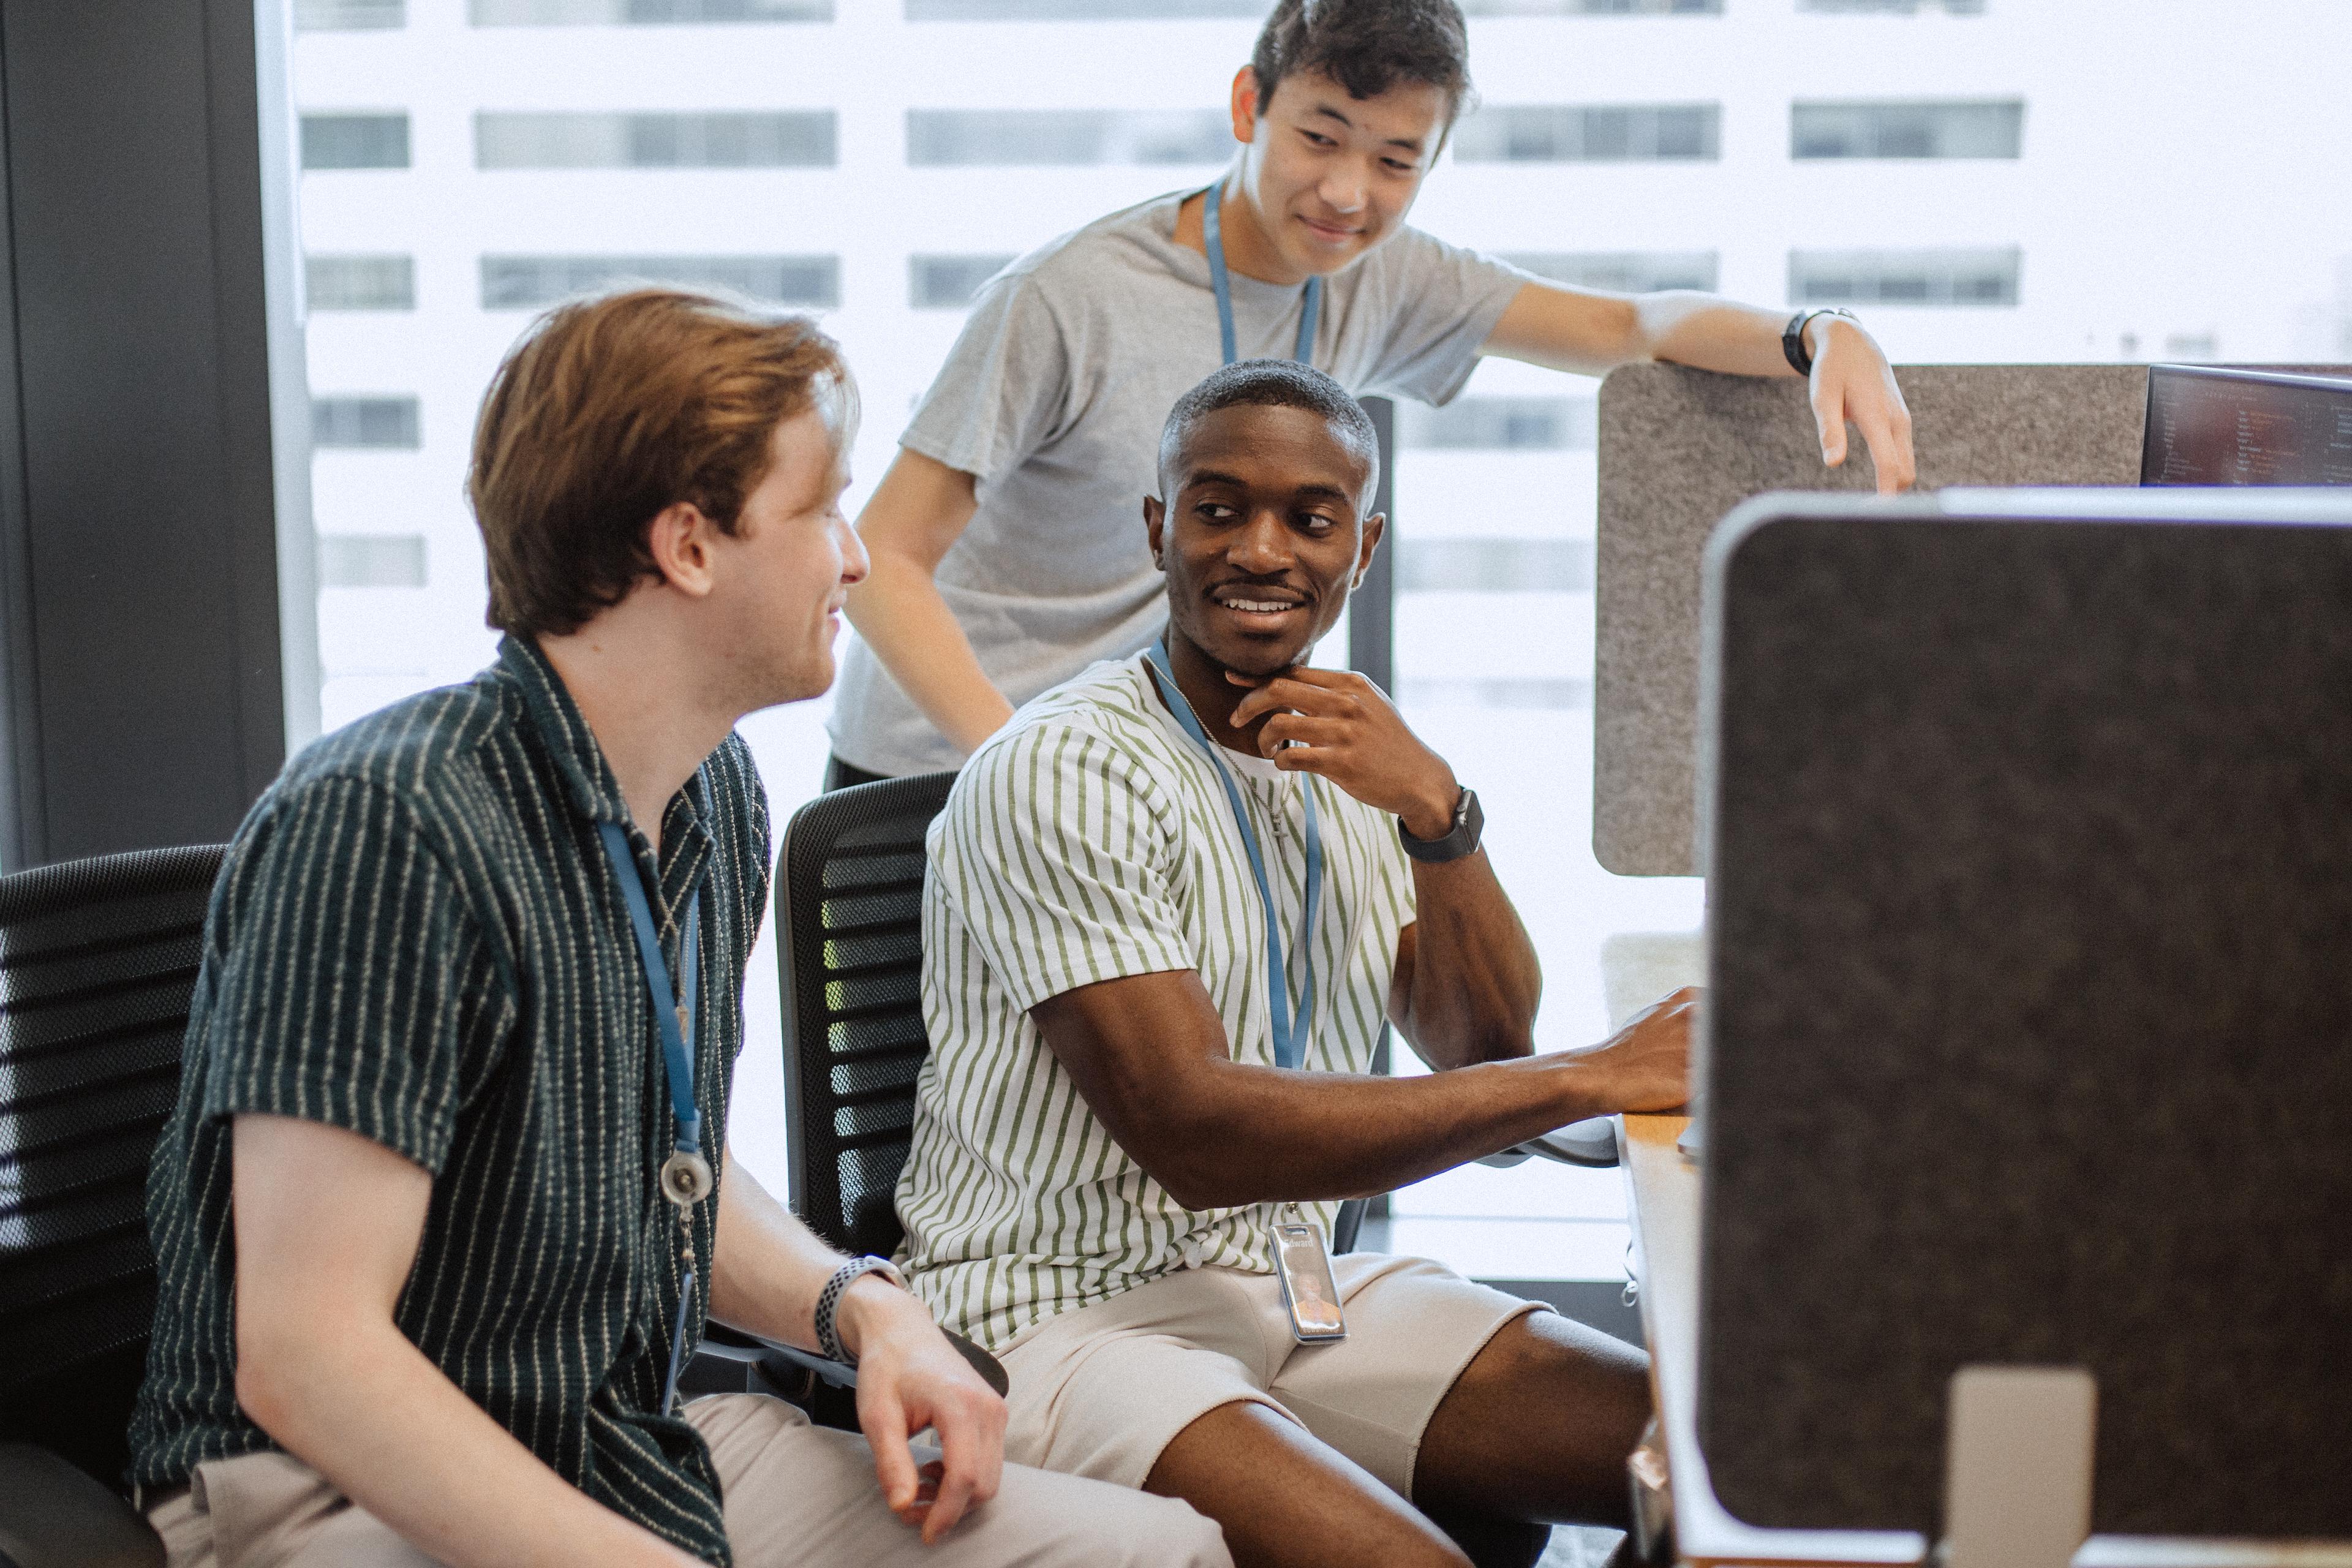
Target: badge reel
1303 1264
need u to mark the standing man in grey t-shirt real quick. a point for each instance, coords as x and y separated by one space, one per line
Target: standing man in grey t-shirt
1006 548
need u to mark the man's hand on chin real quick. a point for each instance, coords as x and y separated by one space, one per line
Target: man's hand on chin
909 1378
1339 724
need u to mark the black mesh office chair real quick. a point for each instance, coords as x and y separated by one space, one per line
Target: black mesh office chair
97 961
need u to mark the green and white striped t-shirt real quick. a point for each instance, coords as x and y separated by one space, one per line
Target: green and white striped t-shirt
1087 841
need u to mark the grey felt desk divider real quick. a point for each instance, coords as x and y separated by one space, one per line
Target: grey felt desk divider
2029 1030
1679 448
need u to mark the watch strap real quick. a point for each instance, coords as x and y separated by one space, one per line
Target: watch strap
828 1300
1469 822
1792 338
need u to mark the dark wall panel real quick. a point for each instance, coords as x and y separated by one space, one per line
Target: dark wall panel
146 522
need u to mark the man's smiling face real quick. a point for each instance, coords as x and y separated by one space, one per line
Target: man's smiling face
1262 532
1330 175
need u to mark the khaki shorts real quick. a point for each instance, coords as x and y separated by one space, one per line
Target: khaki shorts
794 1495
1101 1391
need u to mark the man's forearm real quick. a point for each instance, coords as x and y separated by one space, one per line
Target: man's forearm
1218 1133
1707 332
899 612
770 1267
1274 1135
362 1406
1475 979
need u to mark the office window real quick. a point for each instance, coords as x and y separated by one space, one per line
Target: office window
1081 10
1992 129
1598 133
360 282
365 422
1592 7
1621 271
1492 691
1440 565
1501 424
533 282
722 140
948 282
355 141
371 560
1896 7
1009 137
349 15
641 13
1986 276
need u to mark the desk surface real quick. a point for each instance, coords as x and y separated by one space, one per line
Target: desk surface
1664 1189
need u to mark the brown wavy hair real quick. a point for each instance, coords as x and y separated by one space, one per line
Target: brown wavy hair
609 411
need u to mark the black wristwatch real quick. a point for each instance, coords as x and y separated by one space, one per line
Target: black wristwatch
1792 338
1463 839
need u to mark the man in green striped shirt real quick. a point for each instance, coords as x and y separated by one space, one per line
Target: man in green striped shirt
421 1289
1126 1094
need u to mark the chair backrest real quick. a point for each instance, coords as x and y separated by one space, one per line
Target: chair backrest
98 961
849 916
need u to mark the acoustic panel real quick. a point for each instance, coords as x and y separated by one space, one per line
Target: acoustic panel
1679 448
2029 1036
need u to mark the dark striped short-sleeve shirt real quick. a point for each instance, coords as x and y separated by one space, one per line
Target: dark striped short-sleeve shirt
417 936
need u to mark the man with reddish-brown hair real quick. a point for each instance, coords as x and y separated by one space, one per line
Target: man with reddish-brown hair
446 1196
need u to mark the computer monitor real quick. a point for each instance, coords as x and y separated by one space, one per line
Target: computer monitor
2028 820
2212 426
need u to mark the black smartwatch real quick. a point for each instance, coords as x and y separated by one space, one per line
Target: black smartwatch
1792 338
1462 840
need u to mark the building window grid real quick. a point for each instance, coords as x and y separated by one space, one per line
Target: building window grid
1031 138
1591 133
383 423
1990 128
335 141
349 15
642 13
948 282
721 139
360 282
1982 277
1501 424
1621 271
534 282
371 560
1895 7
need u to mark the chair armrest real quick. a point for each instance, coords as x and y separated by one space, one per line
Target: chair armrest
54 1516
784 1364
1591 1142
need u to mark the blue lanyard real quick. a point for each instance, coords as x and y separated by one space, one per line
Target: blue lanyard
1214 242
1290 1035
686 1178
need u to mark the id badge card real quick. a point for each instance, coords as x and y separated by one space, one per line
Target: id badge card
1311 1295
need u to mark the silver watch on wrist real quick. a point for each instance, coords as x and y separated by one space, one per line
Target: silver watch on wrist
828 1300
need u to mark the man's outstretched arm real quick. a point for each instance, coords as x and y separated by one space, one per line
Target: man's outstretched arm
327 1225
1148 1054
1593 334
766 1279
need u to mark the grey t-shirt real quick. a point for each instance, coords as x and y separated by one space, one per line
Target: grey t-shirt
1054 398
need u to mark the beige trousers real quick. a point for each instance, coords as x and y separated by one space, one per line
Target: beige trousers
796 1493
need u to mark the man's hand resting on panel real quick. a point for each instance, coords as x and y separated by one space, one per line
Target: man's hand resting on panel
909 1377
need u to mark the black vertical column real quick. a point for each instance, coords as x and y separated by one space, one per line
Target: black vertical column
150 463
1372 628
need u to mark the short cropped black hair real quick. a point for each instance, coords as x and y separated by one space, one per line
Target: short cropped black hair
1366 45
1275 383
